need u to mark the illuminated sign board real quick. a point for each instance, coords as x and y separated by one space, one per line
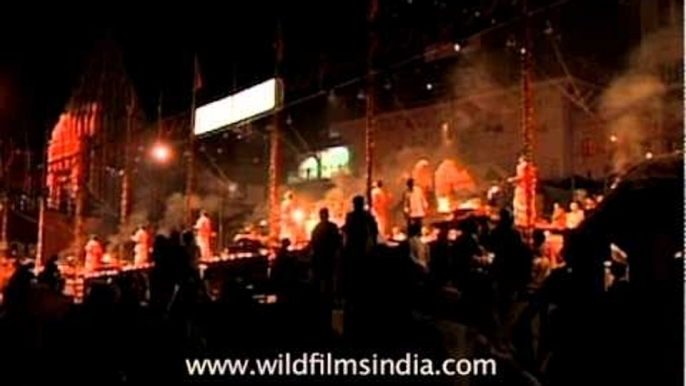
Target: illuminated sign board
334 161
235 108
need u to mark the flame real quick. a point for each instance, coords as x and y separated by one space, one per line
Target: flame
309 226
298 216
107 258
444 205
398 235
474 204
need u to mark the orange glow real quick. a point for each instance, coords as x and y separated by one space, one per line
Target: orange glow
398 235
422 176
444 205
473 204
161 152
298 215
310 224
66 141
451 178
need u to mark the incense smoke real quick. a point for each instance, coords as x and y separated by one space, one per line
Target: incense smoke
638 101
116 241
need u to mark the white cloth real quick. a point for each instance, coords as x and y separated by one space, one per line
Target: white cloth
94 254
203 229
520 204
574 218
416 205
141 251
287 227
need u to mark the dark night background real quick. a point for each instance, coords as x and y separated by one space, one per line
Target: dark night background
325 43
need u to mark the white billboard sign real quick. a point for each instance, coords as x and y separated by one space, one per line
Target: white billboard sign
235 108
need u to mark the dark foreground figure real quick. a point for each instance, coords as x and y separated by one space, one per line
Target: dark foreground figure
353 297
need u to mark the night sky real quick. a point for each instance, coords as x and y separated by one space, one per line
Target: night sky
40 60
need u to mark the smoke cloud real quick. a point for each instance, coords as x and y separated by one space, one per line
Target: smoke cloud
638 101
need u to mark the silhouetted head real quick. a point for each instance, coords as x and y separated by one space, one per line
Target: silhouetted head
410 183
174 237
285 243
188 238
618 270
414 230
324 214
506 217
468 226
378 184
52 259
358 203
539 238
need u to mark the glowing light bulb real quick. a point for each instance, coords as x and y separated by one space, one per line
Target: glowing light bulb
161 152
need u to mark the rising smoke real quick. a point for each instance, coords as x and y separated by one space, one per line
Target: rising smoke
637 102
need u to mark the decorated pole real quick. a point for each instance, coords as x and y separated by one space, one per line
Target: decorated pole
528 128
369 118
190 174
42 197
275 141
80 192
125 204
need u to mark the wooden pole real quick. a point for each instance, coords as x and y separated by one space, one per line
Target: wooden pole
528 128
275 142
190 175
370 106
41 205
80 198
125 204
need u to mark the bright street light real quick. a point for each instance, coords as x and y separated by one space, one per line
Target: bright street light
161 153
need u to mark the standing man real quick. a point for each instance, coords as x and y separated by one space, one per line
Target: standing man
414 204
141 251
519 203
94 254
287 223
203 233
326 243
380 202
360 233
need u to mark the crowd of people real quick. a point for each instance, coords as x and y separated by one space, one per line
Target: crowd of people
413 295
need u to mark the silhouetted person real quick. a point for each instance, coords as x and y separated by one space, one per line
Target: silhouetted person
50 276
619 288
360 231
360 235
512 263
162 276
419 252
284 274
466 252
192 251
17 293
326 243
